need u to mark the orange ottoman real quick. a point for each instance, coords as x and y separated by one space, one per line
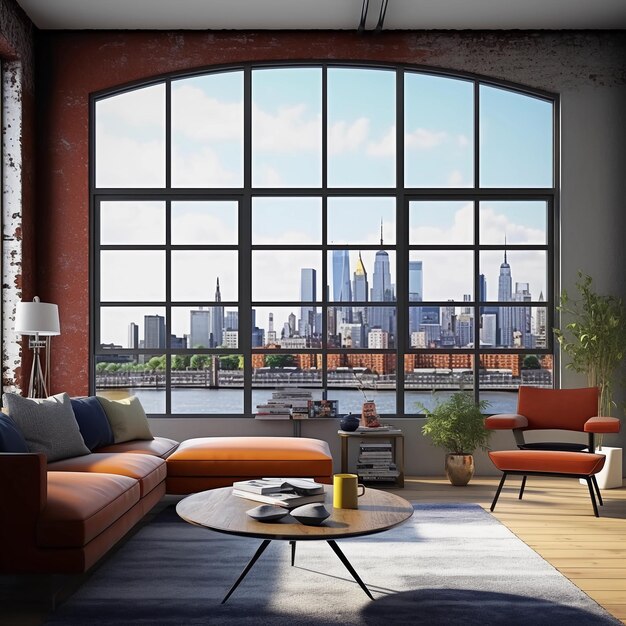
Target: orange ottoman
549 463
209 462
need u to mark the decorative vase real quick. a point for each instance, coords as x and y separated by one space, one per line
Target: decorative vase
349 423
459 468
369 415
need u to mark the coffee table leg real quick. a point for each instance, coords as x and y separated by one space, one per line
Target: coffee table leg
253 560
344 560
293 552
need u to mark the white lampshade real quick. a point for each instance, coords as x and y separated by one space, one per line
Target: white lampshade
37 318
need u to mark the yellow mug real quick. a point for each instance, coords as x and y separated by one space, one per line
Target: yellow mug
346 491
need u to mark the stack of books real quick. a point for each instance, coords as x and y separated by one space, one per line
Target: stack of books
285 492
375 462
285 404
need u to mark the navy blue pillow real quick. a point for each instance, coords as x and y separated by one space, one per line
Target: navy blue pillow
11 438
92 422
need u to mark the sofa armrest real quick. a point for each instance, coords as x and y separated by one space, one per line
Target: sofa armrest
505 421
602 425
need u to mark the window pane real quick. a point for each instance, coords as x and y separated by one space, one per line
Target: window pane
441 275
515 139
521 222
207 384
360 276
435 222
514 326
288 328
120 376
204 275
287 127
207 131
369 327
286 275
132 223
500 376
132 327
433 378
205 327
361 220
441 327
355 378
132 275
286 220
283 371
204 222
509 275
130 139
361 128
438 132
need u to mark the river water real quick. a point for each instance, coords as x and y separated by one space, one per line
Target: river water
230 401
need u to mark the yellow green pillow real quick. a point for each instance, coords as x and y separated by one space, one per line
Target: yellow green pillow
127 419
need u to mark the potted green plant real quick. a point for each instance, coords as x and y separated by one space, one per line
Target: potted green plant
458 425
594 339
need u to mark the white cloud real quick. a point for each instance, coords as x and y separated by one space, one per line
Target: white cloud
140 108
455 179
494 226
202 168
424 139
267 176
462 141
344 137
385 147
199 117
457 232
289 131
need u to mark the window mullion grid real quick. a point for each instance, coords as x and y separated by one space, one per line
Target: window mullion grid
324 298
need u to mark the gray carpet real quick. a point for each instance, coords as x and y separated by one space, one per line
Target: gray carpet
449 564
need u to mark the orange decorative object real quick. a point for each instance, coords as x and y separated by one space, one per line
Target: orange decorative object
369 415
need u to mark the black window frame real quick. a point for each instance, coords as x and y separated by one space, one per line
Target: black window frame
243 196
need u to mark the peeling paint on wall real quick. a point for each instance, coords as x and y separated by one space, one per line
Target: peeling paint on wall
11 220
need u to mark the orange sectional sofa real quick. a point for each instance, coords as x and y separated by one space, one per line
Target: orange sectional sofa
60 512
64 516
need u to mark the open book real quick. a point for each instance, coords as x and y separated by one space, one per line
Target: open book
262 486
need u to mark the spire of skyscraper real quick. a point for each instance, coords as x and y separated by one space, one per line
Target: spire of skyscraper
381 232
505 262
218 295
360 268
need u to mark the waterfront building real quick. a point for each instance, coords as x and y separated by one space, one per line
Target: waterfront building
178 343
378 339
416 294
352 335
488 329
360 291
540 340
232 320
418 339
133 335
342 290
521 318
271 333
231 338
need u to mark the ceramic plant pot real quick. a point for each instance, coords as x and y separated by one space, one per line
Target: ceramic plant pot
349 423
459 468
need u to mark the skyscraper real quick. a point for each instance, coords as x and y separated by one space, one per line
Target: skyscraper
505 326
153 331
199 324
522 320
308 280
360 292
342 290
382 290
217 319
416 294
133 335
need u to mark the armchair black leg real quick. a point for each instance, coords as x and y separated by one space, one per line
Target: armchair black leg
521 491
495 499
595 484
592 494
293 552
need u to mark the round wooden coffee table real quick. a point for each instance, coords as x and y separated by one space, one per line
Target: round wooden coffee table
219 510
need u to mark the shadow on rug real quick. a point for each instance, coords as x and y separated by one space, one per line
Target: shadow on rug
449 564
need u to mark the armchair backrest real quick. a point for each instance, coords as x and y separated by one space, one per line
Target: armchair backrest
563 409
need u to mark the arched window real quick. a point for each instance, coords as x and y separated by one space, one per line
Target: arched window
351 231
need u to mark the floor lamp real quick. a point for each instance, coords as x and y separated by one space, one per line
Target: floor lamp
38 319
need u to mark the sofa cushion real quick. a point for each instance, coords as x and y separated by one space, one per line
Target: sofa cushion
81 505
159 446
127 419
48 425
11 438
92 422
149 470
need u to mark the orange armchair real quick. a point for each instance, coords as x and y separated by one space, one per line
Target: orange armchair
559 409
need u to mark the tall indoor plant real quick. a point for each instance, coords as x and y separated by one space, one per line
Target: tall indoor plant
594 337
458 425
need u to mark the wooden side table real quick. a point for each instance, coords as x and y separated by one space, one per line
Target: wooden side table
397 438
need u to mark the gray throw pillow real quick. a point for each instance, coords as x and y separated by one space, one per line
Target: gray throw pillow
49 425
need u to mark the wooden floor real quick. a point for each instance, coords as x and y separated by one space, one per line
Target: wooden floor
555 518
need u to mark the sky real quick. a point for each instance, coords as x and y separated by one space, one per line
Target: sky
207 152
